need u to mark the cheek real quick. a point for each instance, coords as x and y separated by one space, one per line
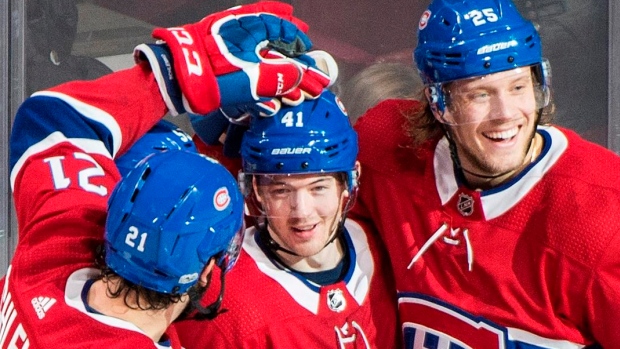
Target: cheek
464 134
329 207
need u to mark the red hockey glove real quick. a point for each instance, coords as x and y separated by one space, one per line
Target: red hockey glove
320 71
215 62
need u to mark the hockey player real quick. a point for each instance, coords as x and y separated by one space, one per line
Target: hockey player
307 277
168 221
503 231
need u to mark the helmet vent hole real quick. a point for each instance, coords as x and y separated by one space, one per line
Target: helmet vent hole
279 165
134 195
331 147
530 41
445 22
305 165
146 173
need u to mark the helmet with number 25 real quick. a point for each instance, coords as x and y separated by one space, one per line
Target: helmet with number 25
169 216
461 39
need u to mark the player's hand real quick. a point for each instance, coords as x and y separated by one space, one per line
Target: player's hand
216 62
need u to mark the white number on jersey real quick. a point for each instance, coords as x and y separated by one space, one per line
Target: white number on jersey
61 181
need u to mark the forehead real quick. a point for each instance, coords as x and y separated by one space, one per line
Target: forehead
498 78
295 179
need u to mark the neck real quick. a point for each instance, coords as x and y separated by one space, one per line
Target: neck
152 322
326 259
486 181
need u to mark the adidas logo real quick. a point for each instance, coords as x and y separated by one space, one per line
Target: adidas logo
41 305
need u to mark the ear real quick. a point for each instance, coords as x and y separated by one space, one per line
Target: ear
204 275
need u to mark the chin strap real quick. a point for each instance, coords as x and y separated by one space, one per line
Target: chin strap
267 241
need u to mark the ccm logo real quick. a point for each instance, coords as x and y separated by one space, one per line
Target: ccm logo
192 59
290 151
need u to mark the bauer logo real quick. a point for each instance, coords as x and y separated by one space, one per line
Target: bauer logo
221 199
291 151
497 47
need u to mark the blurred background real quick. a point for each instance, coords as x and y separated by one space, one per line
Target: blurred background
46 42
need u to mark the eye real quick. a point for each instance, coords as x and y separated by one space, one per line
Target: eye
320 188
478 96
519 88
279 191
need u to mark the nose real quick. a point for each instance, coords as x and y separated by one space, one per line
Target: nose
301 204
504 106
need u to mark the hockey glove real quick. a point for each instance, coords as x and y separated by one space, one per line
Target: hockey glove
225 125
216 61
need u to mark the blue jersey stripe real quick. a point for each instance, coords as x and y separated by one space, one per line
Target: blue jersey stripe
47 113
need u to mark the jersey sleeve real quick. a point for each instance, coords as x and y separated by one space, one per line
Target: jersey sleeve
64 140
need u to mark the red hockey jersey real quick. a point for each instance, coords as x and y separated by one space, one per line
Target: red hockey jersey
62 172
269 306
533 263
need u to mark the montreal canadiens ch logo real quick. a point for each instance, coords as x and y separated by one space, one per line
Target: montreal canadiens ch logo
221 199
424 19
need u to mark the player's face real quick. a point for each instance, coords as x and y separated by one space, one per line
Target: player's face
302 210
494 121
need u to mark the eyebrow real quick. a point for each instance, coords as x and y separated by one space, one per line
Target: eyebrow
318 180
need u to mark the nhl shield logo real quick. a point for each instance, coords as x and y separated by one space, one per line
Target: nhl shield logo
465 205
336 300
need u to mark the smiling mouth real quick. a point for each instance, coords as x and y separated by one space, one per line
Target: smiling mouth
304 228
499 136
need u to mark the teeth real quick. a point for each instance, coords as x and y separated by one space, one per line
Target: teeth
502 134
304 228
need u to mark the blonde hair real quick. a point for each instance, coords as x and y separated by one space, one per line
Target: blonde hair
378 82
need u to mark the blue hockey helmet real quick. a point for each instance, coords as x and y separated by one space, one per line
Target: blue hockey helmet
459 39
168 217
163 136
313 137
